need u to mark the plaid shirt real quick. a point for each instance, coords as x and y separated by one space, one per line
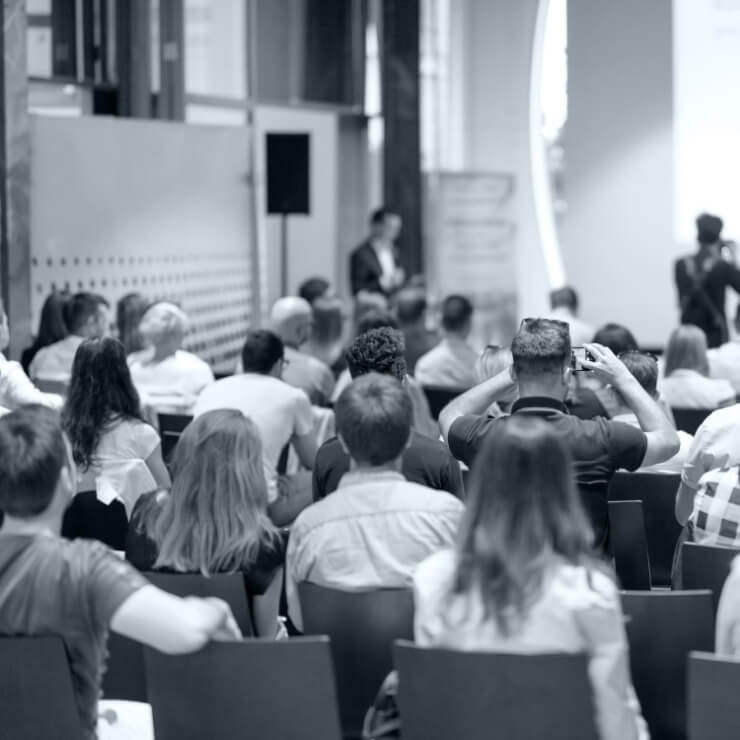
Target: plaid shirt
716 514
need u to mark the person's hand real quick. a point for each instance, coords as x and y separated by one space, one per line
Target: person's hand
606 365
226 627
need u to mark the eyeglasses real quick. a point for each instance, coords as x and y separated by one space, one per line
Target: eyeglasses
528 321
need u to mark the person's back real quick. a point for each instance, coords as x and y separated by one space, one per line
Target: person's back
724 361
411 309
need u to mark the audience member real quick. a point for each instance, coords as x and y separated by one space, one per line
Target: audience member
214 519
374 265
167 377
644 368
724 361
86 317
118 455
542 369
702 280
686 383
564 307
617 338
451 364
51 326
79 589
291 319
411 309
728 614
326 342
129 311
313 288
493 360
426 461
377 527
280 412
523 577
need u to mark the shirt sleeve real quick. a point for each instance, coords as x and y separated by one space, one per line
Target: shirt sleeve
16 389
627 445
701 457
147 440
465 436
303 422
452 479
295 570
728 614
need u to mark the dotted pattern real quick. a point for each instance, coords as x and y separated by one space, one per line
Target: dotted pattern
213 289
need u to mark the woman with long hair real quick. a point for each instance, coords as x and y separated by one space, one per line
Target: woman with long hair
129 311
214 519
523 577
116 452
52 327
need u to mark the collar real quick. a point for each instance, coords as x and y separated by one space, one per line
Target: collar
539 404
354 477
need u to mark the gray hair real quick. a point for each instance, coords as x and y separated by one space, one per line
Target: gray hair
161 321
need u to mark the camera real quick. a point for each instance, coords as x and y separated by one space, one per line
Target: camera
577 356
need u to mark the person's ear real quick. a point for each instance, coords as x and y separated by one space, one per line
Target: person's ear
567 375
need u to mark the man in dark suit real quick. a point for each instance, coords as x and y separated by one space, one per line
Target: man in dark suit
374 265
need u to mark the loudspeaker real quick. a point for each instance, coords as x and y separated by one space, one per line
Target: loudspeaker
287 173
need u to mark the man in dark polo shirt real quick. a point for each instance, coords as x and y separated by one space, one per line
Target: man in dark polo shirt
426 461
541 370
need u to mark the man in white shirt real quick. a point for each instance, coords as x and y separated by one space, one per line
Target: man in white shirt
374 265
376 527
281 413
87 317
724 361
564 307
452 363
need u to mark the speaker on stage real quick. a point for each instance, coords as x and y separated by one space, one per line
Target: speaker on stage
287 173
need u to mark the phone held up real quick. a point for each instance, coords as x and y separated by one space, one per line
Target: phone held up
577 356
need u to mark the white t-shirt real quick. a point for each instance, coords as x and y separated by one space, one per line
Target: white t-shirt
278 410
55 361
687 389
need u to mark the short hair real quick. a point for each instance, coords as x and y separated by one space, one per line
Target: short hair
541 347
374 416
457 311
565 297
687 350
618 338
262 349
161 321
33 452
411 304
380 214
708 228
80 308
313 288
644 368
377 319
377 351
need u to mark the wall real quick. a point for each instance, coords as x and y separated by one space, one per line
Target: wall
617 237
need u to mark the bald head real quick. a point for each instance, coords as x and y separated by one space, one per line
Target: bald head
291 319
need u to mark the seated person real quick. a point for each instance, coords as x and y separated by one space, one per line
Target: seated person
282 414
492 361
214 519
314 288
130 309
617 338
79 589
727 640
523 578
426 461
86 316
451 364
687 384
411 309
724 361
600 447
167 378
118 455
564 307
326 342
377 527
51 326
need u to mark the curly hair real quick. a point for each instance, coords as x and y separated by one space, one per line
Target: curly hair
377 351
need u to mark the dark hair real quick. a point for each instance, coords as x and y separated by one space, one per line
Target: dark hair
708 228
687 350
376 319
522 511
262 349
644 368
374 416
129 311
100 393
411 304
33 453
618 338
457 311
313 288
380 214
327 320
377 351
541 347
52 327
565 297
80 308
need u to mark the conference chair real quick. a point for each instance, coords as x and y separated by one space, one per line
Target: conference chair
689 420
89 518
658 495
438 398
706 566
714 686
36 695
362 626
662 628
444 694
629 544
125 676
171 427
248 690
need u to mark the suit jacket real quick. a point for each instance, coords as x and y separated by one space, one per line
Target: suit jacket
365 269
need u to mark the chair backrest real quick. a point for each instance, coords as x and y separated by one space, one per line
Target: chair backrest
89 518
706 566
251 689
663 627
658 495
629 544
362 627
689 420
171 427
125 677
438 398
36 695
714 687
446 694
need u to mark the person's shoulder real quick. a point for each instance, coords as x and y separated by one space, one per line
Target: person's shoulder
331 449
424 497
585 585
428 447
435 571
190 359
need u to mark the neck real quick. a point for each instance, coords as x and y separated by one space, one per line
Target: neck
163 351
394 466
44 524
541 390
456 336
